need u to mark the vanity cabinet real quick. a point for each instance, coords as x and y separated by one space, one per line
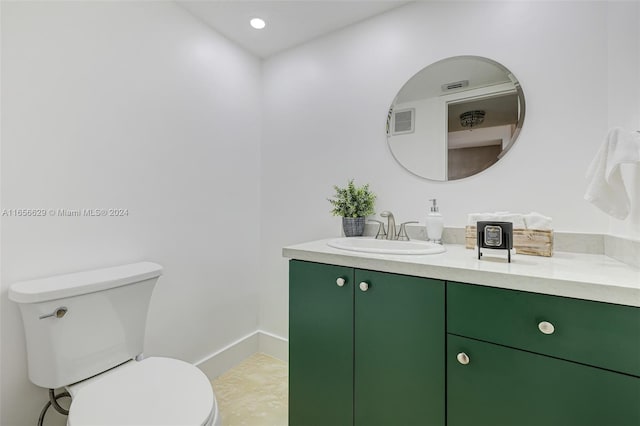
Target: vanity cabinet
518 358
366 348
510 356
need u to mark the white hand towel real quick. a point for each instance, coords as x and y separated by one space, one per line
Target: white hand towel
606 188
535 220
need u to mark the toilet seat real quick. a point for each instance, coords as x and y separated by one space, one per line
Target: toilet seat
155 391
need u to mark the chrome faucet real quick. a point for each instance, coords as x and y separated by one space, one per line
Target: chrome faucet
391 225
402 233
381 234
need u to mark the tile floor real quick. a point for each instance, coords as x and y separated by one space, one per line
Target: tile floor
254 393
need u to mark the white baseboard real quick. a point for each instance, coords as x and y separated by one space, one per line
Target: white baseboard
229 356
226 358
273 345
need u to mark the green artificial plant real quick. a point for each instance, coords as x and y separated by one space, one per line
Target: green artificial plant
353 201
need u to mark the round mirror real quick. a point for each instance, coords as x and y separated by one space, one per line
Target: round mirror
455 118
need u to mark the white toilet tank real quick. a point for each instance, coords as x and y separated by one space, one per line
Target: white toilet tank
79 325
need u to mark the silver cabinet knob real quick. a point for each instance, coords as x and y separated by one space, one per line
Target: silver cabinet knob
364 286
340 281
546 327
463 358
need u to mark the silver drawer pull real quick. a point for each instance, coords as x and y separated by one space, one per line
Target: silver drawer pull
340 281
463 358
58 313
364 286
546 327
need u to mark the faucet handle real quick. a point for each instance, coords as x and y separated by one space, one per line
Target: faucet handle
381 232
402 234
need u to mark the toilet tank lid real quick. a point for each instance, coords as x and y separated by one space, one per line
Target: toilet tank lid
68 285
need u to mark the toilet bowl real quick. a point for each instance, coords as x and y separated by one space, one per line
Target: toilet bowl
155 391
85 332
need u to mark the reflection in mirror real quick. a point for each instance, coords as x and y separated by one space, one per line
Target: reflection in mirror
455 118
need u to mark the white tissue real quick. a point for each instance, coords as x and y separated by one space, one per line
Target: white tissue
535 220
473 218
515 218
531 220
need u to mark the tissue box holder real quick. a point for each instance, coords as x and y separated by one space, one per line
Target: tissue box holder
534 242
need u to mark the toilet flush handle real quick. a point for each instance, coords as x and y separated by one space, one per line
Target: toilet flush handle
58 313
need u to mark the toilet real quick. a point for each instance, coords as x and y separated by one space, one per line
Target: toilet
85 332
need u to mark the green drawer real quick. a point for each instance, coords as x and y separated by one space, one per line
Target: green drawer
592 333
501 386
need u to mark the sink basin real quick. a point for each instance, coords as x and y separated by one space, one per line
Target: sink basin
371 245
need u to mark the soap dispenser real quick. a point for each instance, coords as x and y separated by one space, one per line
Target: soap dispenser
434 223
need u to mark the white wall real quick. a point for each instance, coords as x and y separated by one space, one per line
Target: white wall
326 103
131 105
624 97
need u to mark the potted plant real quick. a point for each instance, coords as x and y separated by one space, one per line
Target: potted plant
353 204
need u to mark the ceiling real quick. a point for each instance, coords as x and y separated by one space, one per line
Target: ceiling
289 23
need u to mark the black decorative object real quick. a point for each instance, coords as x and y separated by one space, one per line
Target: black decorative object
495 235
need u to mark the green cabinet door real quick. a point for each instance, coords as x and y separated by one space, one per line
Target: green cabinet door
320 345
399 350
501 386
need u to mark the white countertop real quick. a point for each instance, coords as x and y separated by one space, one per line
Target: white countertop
582 276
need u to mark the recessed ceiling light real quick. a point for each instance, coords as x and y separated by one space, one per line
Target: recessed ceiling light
257 23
